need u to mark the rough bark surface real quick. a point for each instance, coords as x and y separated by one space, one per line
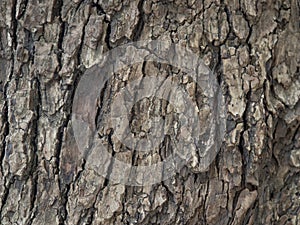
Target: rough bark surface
252 46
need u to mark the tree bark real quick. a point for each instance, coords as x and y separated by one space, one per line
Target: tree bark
253 49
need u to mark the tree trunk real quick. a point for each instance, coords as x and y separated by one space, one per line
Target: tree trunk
47 47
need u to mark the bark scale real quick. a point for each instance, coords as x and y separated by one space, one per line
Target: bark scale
253 48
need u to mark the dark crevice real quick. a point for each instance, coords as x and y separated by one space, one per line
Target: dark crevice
22 8
100 10
269 79
217 163
79 5
140 25
78 175
249 213
29 44
14 24
124 206
64 187
205 203
34 163
63 26
234 204
5 129
91 214
5 88
107 35
111 163
63 212
56 10
99 112
58 147
243 151
251 187
244 155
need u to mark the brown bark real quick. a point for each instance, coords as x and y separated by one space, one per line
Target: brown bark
253 48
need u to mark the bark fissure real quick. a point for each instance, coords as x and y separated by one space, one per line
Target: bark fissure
252 50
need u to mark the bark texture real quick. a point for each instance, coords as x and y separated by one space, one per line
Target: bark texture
252 46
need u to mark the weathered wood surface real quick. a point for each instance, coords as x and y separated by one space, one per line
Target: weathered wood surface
253 46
